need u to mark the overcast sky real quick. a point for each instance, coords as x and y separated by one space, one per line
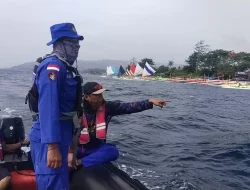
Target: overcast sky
121 29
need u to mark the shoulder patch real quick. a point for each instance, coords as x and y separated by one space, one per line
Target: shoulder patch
52 75
53 67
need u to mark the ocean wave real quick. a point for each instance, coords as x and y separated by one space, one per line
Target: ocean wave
200 140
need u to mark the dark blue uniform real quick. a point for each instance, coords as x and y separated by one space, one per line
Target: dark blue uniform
57 95
98 151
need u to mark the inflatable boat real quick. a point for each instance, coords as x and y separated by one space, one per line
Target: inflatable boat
100 177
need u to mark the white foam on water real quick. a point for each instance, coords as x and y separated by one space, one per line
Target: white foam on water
124 154
182 185
7 112
145 174
156 188
186 185
134 173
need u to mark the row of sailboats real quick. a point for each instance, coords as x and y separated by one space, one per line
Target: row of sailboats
131 71
111 70
136 72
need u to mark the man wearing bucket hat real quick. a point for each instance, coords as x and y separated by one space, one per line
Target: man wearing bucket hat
96 115
58 90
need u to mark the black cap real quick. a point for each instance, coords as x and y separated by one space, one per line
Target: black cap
93 88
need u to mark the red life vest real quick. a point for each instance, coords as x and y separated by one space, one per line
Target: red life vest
100 126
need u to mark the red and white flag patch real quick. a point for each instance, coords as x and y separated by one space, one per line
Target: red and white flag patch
53 67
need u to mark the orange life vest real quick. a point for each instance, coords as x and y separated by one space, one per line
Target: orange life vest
100 126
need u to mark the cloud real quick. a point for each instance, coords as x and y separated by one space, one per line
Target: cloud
116 29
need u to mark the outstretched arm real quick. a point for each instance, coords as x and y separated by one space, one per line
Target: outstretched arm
118 108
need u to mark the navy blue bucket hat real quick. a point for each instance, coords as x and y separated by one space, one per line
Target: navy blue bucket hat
63 30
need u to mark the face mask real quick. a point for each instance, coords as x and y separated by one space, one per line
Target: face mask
68 49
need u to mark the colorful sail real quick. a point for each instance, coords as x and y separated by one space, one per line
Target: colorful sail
128 71
121 71
138 70
132 69
115 71
148 71
109 71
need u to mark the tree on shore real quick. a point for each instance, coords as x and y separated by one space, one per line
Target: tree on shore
145 60
214 63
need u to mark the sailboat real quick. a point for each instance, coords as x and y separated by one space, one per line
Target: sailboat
132 69
111 71
115 71
121 71
147 71
128 71
138 71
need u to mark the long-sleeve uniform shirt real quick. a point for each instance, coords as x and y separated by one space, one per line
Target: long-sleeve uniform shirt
57 94
113 108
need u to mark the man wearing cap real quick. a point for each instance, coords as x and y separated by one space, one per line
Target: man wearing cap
96 115
51 133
